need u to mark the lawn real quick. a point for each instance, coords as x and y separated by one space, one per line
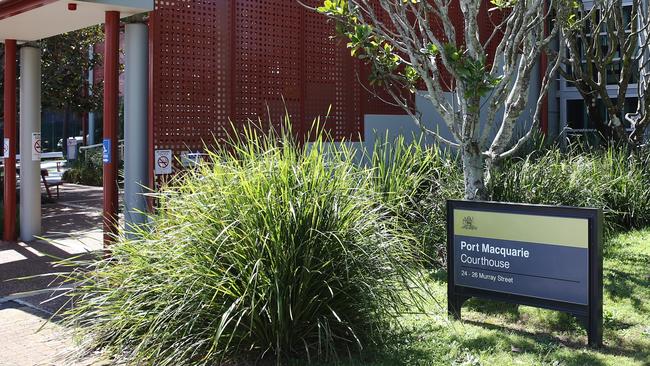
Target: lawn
500 334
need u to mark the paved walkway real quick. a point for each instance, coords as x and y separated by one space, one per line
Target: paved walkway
72 227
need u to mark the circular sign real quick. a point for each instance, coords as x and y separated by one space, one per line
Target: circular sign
163 162
37 146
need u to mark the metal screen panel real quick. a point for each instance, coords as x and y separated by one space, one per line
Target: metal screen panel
191 73
219 61
268 61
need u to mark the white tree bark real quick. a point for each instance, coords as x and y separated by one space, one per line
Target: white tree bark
409 28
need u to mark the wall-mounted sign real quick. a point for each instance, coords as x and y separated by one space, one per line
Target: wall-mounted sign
106 151
185 159
5 149
163 162
542 256
191 159
37 148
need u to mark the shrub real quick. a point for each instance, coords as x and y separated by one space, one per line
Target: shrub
84 172
270 250
611 179
414 182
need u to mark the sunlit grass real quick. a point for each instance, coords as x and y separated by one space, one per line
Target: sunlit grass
493 333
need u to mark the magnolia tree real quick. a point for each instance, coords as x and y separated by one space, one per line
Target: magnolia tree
414 45
607 52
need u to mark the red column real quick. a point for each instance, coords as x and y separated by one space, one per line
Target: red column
10 133
111 91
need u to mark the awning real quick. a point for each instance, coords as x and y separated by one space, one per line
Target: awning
30 20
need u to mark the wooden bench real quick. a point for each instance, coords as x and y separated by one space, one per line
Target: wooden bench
51 182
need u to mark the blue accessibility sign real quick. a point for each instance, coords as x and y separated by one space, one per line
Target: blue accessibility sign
106 151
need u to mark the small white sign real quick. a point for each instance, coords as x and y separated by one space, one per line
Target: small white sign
163 162
5 150
185 159
72 149
37 148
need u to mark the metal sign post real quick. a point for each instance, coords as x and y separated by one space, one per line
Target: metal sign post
543 256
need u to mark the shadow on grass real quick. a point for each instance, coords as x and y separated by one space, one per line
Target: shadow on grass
405 347
490 307
433 344
439 275
614 344
624 283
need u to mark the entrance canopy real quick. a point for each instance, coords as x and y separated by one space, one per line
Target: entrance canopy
30 20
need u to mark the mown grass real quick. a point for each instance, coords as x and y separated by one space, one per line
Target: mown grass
493 333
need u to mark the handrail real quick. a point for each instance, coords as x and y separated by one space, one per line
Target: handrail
82 148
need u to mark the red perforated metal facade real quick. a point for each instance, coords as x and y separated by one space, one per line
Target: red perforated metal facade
192 76
233 60
217 61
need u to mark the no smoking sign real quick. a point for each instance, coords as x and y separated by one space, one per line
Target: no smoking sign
37 149
163 162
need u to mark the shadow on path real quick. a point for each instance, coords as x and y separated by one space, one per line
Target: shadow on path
71 228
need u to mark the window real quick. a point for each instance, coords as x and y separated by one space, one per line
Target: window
573 114
577 118
613 70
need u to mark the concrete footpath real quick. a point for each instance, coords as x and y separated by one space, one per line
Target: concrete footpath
28 333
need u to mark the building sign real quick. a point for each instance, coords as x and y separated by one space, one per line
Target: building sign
535 255
163 162
37 148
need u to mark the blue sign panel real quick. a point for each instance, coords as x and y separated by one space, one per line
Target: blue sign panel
106 151
543 271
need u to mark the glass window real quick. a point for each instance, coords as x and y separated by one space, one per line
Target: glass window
576 114
577 118
614 69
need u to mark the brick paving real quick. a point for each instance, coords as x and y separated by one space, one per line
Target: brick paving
72 227
28 338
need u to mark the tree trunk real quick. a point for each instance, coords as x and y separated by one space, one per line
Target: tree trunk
593 113
638 133
474 172
617 126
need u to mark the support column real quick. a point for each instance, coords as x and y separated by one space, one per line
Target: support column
91 83
136 175
10 137
30 159
111 105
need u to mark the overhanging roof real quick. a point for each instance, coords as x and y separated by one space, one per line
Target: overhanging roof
31 20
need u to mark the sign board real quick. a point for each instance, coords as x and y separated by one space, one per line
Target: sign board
106 151
5 149
163 162
72 148
37 148
185 159
191 159
544 256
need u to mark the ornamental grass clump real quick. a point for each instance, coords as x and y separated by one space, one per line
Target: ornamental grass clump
414 181
268 251
612 179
